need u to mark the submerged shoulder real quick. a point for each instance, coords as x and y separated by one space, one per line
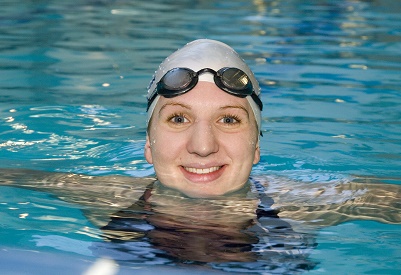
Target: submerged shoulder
99 196
78 188
325 203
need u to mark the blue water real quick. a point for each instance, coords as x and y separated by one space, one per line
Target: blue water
73 77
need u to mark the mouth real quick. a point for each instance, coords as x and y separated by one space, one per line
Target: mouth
202 171
203 175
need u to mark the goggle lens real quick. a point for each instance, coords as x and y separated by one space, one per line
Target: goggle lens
177 79
234 79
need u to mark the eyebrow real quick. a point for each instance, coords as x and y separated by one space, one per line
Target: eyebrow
235 107
174 104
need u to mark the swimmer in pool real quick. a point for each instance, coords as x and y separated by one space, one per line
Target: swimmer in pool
204 121
204 116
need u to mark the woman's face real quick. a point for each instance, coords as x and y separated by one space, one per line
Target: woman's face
204 142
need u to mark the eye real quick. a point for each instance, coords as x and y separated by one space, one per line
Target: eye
230 120
177 119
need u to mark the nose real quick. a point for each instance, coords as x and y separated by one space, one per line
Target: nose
203 141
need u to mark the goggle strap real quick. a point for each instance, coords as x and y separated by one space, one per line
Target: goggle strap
257 101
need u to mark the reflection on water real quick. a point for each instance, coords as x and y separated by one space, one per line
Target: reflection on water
269 225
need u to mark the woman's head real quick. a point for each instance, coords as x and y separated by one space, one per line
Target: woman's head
204 120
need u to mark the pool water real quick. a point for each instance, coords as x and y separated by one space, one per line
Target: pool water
72 99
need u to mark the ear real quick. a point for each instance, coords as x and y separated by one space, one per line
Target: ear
148 151
256 157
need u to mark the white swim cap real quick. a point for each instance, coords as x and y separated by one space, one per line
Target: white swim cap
200 54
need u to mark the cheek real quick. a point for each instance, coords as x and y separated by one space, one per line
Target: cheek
247 148
165 148
248 142
241 150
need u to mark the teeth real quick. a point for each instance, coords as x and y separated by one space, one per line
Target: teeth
202 171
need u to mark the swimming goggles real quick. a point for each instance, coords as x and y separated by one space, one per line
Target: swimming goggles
178 81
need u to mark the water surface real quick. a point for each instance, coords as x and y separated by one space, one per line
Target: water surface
72 99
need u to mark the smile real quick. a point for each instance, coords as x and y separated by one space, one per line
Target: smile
202 171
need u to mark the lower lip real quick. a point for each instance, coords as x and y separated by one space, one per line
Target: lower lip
203 178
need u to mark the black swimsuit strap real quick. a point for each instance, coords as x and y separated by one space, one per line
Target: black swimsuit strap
264 208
